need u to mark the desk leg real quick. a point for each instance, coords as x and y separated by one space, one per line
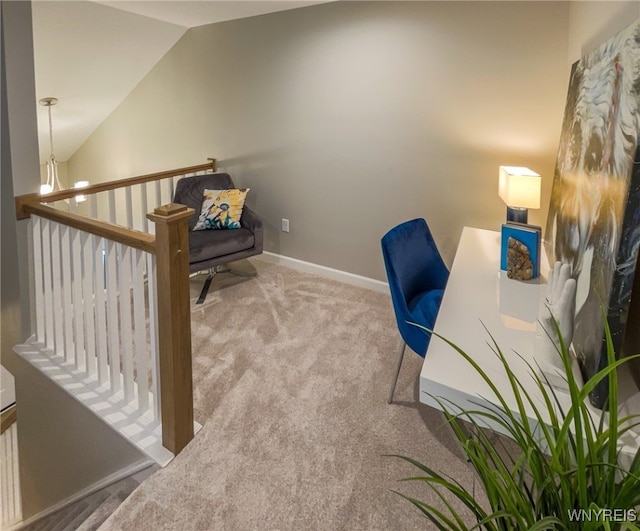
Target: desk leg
395 380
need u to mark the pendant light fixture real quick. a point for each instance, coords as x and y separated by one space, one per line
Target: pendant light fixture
53 180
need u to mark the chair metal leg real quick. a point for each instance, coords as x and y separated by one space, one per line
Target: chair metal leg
395 379
237 272
213 271
207 283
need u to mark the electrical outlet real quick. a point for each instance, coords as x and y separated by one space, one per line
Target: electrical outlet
285 225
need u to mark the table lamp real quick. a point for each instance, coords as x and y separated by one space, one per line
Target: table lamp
519 188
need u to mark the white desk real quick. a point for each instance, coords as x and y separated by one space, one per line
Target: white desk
478 294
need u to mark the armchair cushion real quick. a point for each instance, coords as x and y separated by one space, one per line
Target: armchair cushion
205 245
221 209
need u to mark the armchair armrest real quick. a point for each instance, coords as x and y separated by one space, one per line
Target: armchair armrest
251 221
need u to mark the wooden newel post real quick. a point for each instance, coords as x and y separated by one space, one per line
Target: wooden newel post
174 324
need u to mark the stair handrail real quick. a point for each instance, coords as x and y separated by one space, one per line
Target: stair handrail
22 201
131 237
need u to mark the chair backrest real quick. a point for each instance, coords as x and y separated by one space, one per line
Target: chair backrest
189 191
414 266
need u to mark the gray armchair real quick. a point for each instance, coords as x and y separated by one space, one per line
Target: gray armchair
209 249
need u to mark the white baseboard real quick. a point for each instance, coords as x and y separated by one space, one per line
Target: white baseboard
328 272
121 474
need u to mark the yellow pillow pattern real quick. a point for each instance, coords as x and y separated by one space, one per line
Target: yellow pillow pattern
221 209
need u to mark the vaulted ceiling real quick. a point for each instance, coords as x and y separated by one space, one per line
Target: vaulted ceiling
91 54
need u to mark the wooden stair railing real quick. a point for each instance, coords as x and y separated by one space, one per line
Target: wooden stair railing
170 247
23 200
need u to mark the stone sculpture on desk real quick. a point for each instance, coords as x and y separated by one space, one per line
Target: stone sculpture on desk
519 264
560 304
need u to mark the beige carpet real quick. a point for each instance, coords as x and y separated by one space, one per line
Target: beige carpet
291 374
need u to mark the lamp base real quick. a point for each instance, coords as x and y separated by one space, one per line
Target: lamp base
517 214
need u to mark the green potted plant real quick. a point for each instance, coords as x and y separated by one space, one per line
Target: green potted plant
563 475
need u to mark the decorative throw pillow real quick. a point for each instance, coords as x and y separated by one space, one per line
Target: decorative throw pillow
221 209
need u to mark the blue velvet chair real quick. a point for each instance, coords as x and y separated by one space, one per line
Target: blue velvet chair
417 277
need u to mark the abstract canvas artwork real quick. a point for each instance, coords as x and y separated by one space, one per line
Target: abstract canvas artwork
594 214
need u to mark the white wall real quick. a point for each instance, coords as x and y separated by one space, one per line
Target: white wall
348 118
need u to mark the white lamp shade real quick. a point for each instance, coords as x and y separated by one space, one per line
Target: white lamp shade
519 187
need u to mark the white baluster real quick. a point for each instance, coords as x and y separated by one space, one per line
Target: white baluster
17 503
112 206
126 328
36 227
140 329
78 306
88 283
129 207
167 196
158 194
144 190
47 272
56 281
93 205
8 487
113 327
171 188
4 479
101 318
153 333
67 309
12 469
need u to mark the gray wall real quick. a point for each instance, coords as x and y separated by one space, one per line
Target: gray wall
63 447
19 166
348 118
